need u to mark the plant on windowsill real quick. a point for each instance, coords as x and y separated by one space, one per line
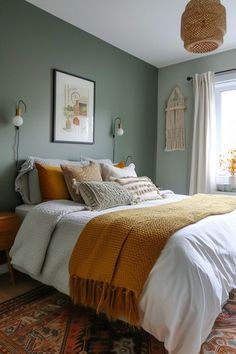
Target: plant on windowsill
228 167
232 169
232 162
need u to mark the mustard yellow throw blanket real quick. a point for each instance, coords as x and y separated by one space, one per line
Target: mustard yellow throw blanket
116 251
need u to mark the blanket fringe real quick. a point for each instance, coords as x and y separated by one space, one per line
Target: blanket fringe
117 303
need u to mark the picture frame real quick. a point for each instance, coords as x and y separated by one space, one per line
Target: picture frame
73 108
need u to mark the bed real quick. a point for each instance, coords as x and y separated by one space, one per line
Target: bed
186 288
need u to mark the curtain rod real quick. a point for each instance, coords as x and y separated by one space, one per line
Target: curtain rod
189 78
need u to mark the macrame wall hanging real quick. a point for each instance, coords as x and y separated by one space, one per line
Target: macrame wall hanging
175 135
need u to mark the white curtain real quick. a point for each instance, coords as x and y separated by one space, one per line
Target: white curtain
203 166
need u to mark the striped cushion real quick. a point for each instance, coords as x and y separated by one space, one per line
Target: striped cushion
141 188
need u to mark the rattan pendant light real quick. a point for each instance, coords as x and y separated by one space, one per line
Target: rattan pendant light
203 25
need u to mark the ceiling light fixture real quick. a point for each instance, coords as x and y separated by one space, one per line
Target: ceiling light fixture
203 25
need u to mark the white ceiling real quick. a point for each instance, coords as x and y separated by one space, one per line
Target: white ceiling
147 29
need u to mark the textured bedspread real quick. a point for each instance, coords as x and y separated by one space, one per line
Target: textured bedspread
185 289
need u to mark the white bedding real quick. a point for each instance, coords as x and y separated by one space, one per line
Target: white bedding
186 288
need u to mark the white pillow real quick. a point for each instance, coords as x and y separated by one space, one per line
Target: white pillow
99 161
33 186
110 172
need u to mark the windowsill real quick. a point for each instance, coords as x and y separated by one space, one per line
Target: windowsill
226 193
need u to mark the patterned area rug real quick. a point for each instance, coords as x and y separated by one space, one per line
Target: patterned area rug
43 321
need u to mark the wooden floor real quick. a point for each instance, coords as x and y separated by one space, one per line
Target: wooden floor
23 284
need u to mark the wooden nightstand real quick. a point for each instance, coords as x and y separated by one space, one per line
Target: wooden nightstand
9 225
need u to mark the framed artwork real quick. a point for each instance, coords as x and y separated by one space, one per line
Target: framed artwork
73 109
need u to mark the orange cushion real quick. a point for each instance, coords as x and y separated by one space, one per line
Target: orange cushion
120 164
52 183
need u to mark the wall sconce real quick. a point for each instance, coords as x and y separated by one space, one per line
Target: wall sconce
17 121
117 130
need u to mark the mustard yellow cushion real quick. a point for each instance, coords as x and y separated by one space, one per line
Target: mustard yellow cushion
52 183
120 164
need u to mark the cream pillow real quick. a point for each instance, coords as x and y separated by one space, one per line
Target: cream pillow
89 172
141 188
98 161
110 172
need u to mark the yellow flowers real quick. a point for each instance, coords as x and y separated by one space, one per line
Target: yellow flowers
232 162
229 163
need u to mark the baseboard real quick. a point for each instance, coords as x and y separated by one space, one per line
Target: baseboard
3 268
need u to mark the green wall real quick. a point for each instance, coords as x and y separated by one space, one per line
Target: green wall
32 43
173 168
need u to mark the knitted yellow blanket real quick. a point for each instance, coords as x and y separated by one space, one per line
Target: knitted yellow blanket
116 251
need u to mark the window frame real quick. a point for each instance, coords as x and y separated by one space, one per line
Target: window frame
223 82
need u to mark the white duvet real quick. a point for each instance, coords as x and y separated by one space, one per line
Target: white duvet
186 288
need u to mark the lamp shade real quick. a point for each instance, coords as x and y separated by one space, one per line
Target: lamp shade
17 121
203 25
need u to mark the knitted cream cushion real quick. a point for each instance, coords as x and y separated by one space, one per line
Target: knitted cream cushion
104 195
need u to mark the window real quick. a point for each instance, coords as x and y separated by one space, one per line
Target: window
226 130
